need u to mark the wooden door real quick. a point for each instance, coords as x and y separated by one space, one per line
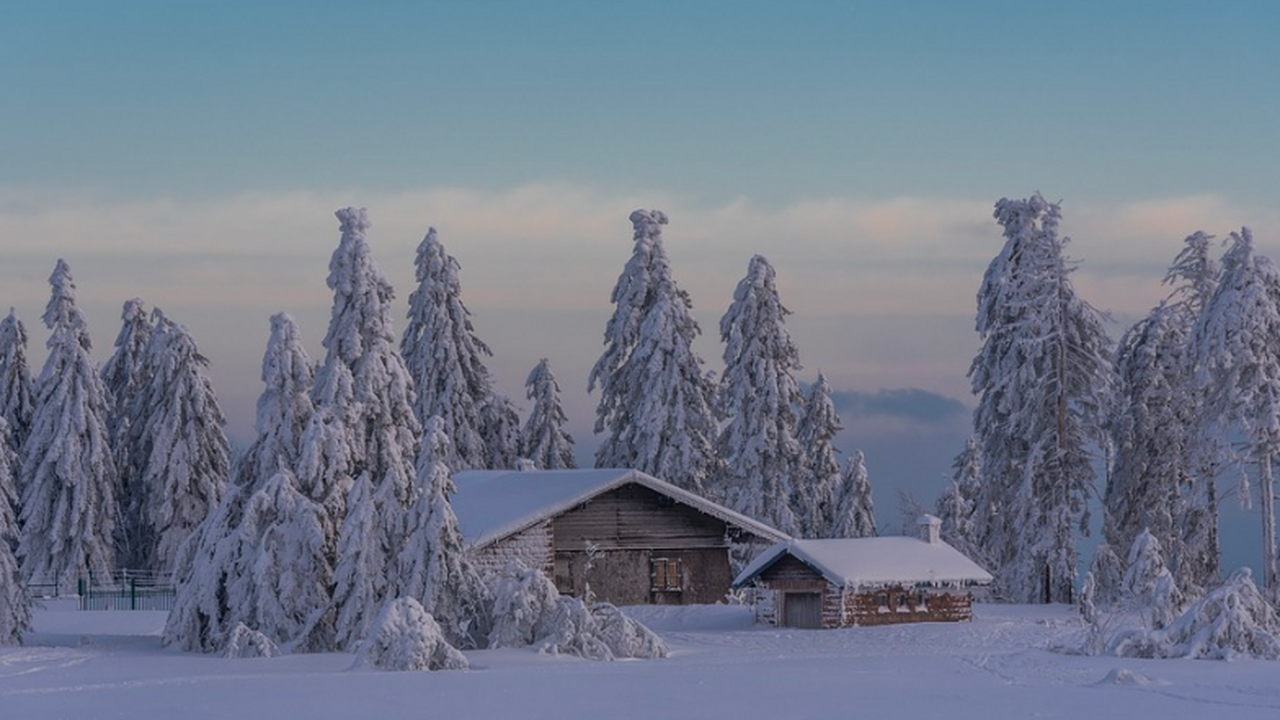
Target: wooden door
802 609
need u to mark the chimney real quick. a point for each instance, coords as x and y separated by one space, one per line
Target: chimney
525 465
930 529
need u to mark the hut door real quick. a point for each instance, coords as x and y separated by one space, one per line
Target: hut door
802 610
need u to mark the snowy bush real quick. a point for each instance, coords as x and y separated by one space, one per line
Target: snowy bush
522 598
527 610
246 642
1148 586
1233 620
406 637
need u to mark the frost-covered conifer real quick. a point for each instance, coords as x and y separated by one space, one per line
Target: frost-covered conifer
215 576
363 421
15 609
434 567
1237 345
363 579
284 407
544 439
855 514
814 499
69 503
500 429
655 401
445 357
406 637
1233 620
123 375
17 403
956 503
1162 476
1107 572
1148 584
757 395
1044 378
522 599
289 571
175 424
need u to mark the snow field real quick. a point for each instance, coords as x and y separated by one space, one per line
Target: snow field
112 664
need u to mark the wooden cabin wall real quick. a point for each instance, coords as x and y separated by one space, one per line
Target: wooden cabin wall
863 607
531 547
630 528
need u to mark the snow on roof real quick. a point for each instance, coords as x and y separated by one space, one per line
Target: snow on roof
873 561
493 504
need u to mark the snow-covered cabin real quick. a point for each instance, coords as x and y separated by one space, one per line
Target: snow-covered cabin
636 539
863 581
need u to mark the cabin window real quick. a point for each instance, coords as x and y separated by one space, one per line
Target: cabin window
904 602
666 575
883 600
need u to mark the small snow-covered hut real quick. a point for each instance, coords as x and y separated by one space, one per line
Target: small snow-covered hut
863 581
634 538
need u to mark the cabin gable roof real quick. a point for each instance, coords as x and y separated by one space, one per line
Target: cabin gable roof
857 562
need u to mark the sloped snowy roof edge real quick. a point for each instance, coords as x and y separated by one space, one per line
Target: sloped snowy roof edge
562 490
853 562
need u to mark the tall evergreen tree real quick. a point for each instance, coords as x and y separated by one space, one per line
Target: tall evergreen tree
1043 377
500 428
69 504
216 575
284 407
363 422
123 375
17 402
819 475
655 401
956 503
175 425
1237 344
445 358
544 439
434 568
1158 482
855 513
758 392
15 606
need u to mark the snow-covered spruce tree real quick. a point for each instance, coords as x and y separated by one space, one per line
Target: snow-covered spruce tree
15 609
214 573
445 358
500 429
1107 571
544 439
855 514
363 421
123 375
655 401
1233 620
69 503
17 403
814 496
1194 275
289 571
1237 346
956 503
1044 378
284 407
405 637
757 395
434 567
1154 484
175 424
1148 585
363 577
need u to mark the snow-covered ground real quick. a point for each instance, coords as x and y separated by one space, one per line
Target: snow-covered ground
112 665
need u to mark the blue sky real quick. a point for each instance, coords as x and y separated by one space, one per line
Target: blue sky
193 153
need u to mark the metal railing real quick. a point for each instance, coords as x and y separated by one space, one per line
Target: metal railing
123 590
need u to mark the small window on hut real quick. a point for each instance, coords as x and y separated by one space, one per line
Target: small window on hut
882 600
666 575
904 602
